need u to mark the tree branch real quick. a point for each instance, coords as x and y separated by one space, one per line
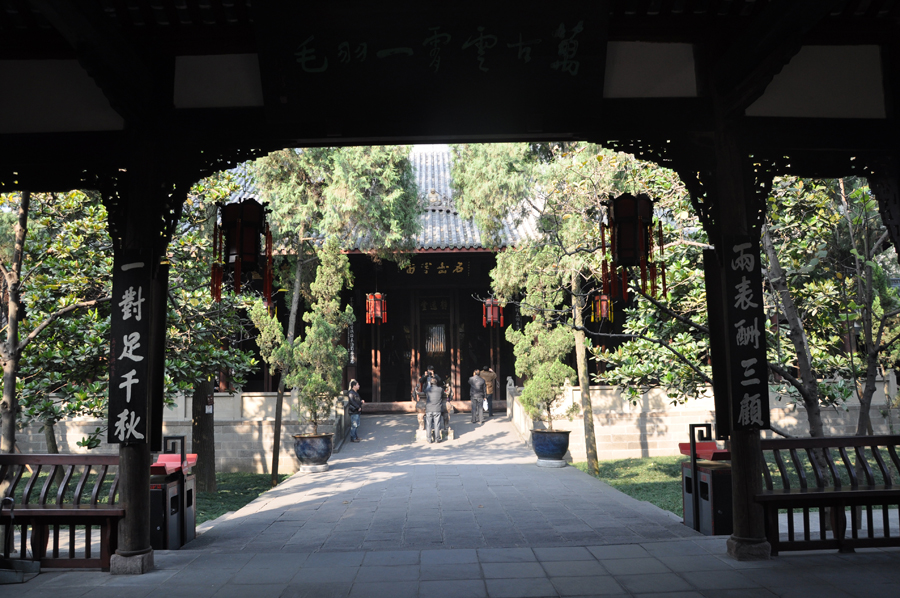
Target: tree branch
55 316
663 308
662 344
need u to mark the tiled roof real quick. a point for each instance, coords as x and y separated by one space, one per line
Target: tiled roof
442 226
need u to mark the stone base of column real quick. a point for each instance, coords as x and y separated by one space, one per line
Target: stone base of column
137 564
749 549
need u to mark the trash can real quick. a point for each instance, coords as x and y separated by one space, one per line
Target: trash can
173 490
165 506
714 488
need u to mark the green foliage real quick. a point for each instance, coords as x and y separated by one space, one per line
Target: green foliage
233 491
322 200
490 181
656 480
565 187
539 349
63 371
314 364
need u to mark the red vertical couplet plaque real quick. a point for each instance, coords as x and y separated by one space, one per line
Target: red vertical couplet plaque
748 379
129 379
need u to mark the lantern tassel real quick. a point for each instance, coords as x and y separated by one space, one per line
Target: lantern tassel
653 279
603 240
664 289
604 277
624 284
643 274
662 263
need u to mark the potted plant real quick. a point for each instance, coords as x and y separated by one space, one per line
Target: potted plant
541 398
312 366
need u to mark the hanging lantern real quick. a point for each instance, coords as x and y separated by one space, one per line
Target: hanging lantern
632 220
491 313
601 308
376 308
237 246
243 224
631 243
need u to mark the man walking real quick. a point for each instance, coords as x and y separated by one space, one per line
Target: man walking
476 395
354 406
433 401
489 381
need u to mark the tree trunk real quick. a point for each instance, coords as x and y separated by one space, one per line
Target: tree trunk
9 405
590 442
797 334
292 324
203 436
50 438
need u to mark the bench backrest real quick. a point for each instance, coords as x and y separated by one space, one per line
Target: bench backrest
92 473
827 462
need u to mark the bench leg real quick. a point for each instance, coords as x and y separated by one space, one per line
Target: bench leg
839 528
772 531
40 537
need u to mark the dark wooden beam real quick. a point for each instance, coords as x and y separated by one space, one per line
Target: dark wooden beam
742 73
125 77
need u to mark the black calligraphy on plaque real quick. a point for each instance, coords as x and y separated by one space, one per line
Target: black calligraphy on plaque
129 375
442 268
749 387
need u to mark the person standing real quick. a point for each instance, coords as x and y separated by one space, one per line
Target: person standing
354 406
423 379
433 402
476 395
490 378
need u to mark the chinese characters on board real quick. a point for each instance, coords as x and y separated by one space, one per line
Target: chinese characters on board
752 408
442 267
476 46
127 416
434 305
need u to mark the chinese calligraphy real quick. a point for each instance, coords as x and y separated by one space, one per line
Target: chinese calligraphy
127 428
749 389
131 304
435 40
483 43
128 404
313 55
306 56
442 268
568 48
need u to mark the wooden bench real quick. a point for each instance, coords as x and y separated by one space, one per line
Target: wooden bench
76 502
820 474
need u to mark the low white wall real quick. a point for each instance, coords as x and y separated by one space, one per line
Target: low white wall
244 431
654 427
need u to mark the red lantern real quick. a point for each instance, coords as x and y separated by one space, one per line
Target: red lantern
491 313
236 245
601 309
243 224
632 220
376 308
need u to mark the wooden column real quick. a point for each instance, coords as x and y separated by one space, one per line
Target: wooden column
734 213
137 353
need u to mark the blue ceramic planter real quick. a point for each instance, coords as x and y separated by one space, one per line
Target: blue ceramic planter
313 451
550 445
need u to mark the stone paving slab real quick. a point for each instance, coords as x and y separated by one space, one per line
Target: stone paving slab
472 517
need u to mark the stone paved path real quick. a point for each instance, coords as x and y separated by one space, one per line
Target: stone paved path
481 490
471 517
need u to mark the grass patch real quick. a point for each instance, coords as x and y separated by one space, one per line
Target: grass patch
656 480
234 491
